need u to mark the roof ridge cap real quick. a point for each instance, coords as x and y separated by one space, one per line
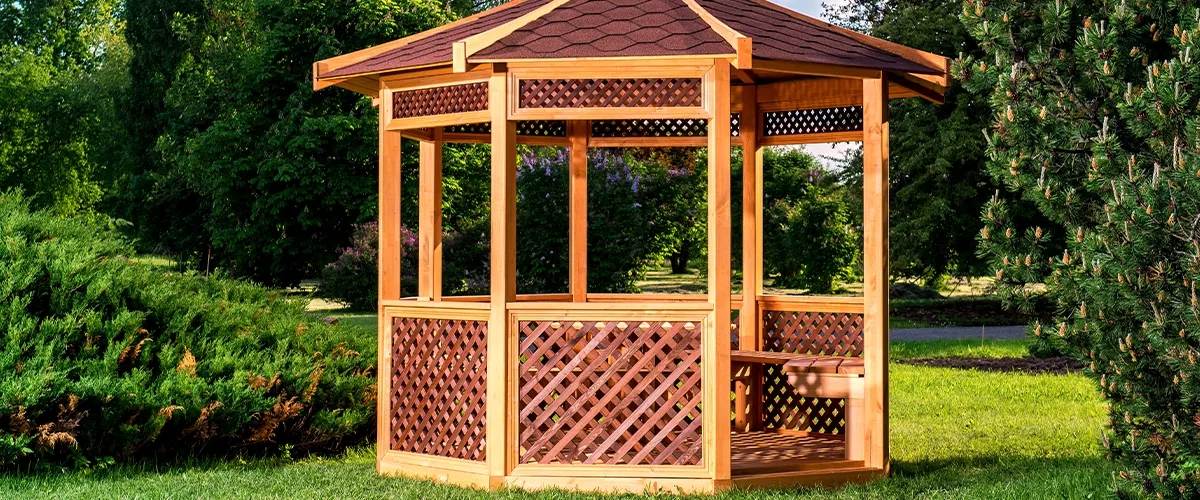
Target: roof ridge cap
742 44
467 47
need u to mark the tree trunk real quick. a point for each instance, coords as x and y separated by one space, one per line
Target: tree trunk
680 259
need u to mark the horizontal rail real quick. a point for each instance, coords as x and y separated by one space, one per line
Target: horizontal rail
544 297
811 304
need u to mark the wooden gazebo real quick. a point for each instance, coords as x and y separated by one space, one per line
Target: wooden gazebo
632 392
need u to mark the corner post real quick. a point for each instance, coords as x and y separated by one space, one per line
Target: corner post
716 341
876 269
500 429
578 132
389 266
429 276
750 329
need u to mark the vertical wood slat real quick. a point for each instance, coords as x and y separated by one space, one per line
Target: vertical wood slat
716 344
501 444
876 268
429 274
750 329
578 132
389 265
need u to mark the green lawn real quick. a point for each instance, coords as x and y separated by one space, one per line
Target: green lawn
955 434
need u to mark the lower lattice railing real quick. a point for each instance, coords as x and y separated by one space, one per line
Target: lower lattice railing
439 387
610 392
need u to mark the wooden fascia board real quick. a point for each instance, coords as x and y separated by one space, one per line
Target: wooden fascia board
814 69
324 66
927 59
467 47
740 43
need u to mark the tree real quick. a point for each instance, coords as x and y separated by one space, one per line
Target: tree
809 238
278 173
1095 121
938 181
61 74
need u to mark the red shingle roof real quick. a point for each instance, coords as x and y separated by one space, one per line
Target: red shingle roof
784 35
609 28
632 28
437 48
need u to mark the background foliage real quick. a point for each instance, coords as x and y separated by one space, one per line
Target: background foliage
105 358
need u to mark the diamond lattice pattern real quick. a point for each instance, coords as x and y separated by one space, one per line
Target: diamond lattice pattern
614 392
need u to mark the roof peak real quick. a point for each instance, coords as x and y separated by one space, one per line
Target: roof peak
743 30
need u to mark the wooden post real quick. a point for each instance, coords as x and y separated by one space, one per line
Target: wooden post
578 132
876 269
389 269
429 276
750 329
500 429
716 341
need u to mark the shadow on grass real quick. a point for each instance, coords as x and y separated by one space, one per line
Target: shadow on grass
352 475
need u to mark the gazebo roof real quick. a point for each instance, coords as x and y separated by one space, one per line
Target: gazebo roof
572 29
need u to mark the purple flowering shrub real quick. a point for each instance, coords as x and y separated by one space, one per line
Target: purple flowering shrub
353 278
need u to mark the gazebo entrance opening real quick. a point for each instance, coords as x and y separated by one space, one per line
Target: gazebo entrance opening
647 391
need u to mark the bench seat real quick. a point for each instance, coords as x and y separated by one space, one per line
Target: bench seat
809 363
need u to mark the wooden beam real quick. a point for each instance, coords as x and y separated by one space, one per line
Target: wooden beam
429 274
501 425
820 138
876 268
815 69
922 88
389 271
749 329
578 132
716 338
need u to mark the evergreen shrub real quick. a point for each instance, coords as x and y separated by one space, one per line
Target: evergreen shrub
1095 119
104 358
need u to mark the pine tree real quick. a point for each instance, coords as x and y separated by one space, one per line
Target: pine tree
1096 121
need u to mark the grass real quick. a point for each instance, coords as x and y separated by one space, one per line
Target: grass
955 434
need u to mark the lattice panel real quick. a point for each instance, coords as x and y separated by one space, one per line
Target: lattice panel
439 382
615 393
785 408
676 127
470 128
825 334
813 121
550 128
440 100
554 128
659 127
611 93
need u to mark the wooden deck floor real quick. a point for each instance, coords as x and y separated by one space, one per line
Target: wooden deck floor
768 452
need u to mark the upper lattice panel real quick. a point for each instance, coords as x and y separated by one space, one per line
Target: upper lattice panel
567 29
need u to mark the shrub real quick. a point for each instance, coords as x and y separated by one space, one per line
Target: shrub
353 278
1095 117
106 358
812 242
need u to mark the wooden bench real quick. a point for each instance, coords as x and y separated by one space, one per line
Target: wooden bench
833 377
